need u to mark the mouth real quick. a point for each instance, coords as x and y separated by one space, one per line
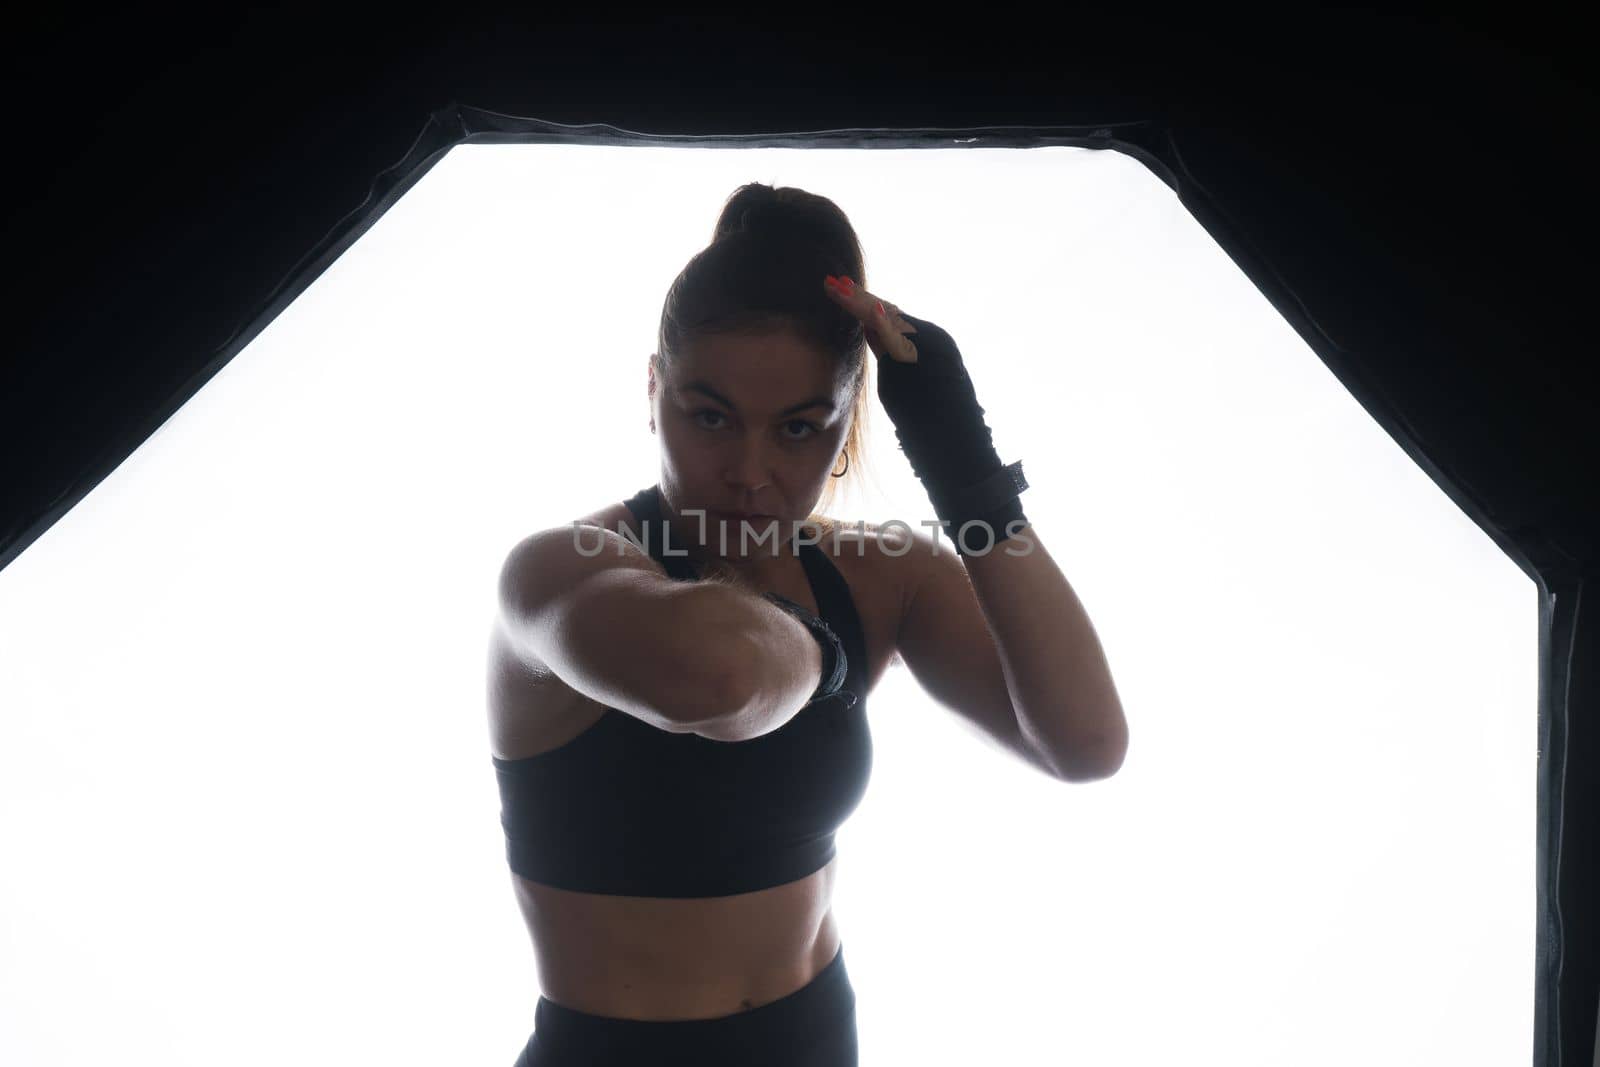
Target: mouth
749 516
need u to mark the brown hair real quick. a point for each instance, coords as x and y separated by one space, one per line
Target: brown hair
763 271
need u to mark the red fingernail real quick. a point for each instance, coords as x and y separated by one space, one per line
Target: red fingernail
880 308
845 281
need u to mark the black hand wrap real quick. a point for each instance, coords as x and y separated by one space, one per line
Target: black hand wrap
940 426
834 664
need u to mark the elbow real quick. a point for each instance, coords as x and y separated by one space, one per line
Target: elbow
730 694
710 704
1095 759
700 676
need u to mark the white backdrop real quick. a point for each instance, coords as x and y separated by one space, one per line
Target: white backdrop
247 812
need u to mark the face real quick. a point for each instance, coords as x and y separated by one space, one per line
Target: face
751 423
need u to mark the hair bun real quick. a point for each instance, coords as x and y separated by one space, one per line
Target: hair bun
771 218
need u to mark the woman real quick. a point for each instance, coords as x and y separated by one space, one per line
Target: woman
678 708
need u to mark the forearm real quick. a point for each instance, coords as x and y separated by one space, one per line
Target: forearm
772 664
1056 670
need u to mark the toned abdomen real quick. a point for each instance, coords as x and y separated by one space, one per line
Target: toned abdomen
670 958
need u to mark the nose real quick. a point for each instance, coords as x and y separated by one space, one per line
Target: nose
749 469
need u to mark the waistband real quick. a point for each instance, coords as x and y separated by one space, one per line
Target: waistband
822 1004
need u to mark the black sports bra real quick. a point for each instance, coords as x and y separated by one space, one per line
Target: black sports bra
626 808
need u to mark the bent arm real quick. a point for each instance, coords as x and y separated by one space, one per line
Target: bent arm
613 626
777 663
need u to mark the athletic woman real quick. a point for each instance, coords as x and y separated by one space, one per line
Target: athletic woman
678 681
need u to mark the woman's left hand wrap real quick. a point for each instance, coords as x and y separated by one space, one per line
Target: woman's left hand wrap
924 386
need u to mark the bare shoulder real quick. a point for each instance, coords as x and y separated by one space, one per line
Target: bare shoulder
910 557
614 517
520 580
858 538
531 710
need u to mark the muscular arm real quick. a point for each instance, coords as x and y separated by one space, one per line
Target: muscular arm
778 662
613 626
709 657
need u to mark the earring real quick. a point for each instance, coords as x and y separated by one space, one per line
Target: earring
846 467
652 425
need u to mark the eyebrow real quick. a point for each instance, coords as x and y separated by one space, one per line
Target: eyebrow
699 386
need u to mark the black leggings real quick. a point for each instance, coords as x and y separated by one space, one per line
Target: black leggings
815 1026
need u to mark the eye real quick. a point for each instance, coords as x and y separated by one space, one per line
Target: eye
808 429
813 427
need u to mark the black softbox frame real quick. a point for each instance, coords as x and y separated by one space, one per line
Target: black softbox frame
1421 263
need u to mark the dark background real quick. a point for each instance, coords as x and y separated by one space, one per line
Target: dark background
1420 183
